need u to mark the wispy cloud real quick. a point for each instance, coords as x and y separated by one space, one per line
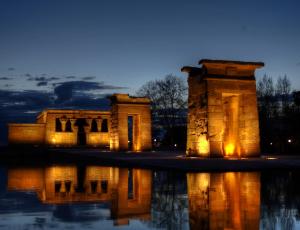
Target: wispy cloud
43 78
70 77
88 78
5 78
42 83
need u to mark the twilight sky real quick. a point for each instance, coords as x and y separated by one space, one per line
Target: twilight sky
58 50
126 43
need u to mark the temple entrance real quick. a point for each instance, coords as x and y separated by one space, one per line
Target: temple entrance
133 133
81 135
231 146
130 133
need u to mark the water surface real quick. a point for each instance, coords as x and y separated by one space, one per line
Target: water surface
96 197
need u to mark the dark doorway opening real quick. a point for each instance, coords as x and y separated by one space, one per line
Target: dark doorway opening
130 132
81 172
81 135
130 185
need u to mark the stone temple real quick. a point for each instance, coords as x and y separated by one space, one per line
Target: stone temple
222 109
126 127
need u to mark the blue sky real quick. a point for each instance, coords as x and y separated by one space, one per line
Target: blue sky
126 43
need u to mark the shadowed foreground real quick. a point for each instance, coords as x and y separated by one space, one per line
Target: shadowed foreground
150 160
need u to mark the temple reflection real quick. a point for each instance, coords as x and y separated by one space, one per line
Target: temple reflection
128 190
224 200
214 200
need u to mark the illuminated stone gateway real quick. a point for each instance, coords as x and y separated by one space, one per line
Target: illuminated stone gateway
222 117
106 129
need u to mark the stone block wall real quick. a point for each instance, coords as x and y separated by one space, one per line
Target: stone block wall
222 117
32 134
70 138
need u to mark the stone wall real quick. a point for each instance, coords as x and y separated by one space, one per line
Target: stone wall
70 138
103 129
26 134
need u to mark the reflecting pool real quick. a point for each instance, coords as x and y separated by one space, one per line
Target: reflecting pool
98 197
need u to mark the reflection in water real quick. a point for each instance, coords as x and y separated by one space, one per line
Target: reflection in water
169 201
224 200
280 206
105 197
60 185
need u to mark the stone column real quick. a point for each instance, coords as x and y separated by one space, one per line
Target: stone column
63 122
98 188
73 121
99 124
89 121
63 187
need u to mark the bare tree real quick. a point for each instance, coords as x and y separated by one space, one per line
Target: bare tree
283 91
266 97
169 98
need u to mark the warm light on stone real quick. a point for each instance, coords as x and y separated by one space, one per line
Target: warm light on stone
224 200
203 146
123 107
229 149
222 109
91 128
130 195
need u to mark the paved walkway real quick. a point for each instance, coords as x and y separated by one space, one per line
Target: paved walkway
164 160
178 161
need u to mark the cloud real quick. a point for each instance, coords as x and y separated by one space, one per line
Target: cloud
23 106
88 78
67 90
42 83
70 77
5 78
298 64
11 69
43 78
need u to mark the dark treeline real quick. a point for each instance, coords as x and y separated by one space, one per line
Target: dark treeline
279 113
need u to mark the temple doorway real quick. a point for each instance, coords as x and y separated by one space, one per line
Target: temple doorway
81 135
130 133
231 143
134 133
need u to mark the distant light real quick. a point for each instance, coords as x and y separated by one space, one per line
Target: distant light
271 143
289 140
271 158
154 140
128 141
175 145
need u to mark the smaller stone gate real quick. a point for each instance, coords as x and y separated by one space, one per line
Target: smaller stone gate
137 109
